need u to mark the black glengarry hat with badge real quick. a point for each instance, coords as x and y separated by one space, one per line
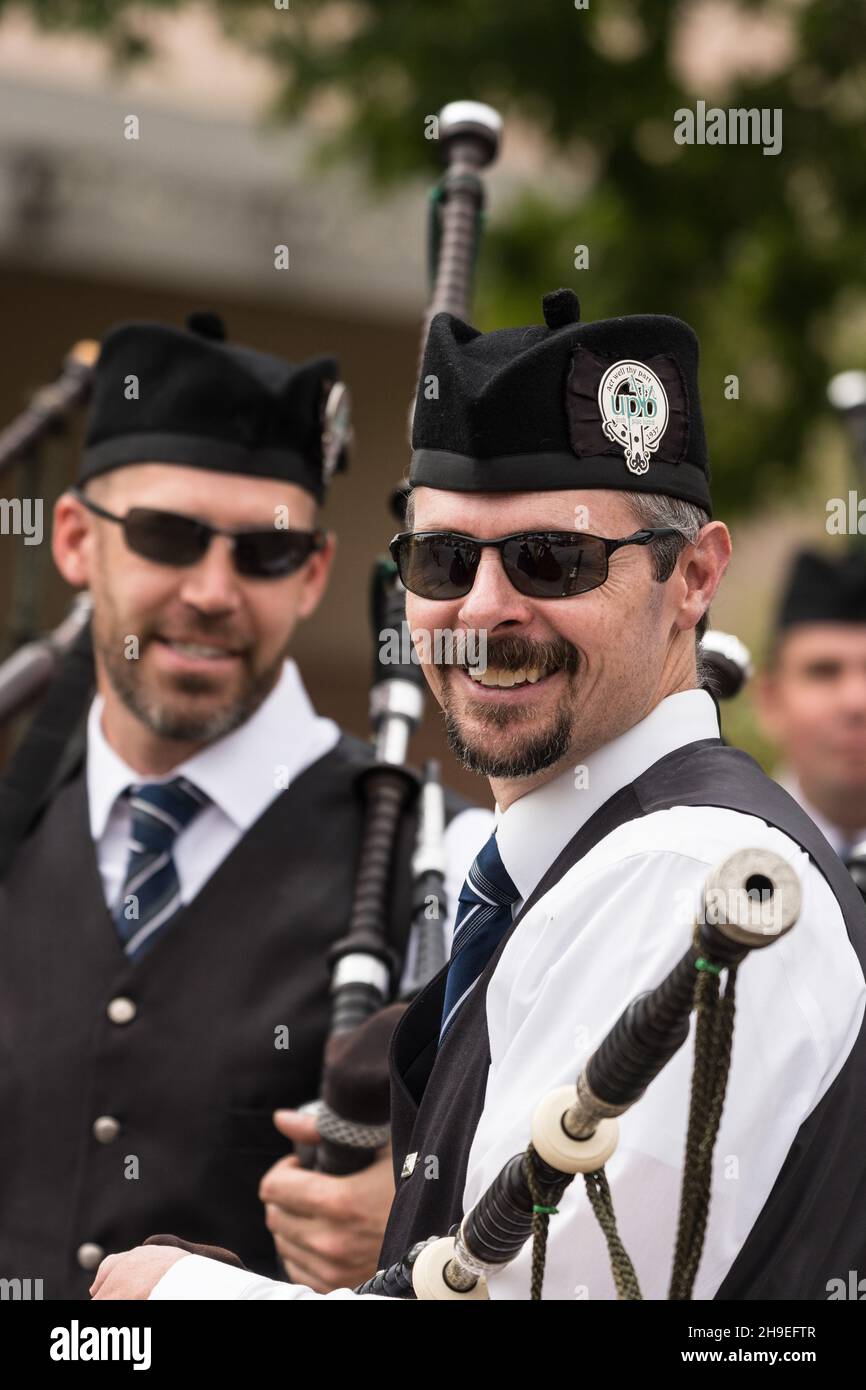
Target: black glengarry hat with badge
822 588
563 405
186 396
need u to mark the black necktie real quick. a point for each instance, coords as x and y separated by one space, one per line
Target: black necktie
483 917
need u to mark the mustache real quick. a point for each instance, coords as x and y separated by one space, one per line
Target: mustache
517 653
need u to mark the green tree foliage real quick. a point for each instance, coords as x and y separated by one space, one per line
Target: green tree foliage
763 254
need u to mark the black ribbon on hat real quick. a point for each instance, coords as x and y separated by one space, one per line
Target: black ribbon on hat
585 418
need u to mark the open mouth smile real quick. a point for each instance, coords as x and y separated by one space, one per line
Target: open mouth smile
506 686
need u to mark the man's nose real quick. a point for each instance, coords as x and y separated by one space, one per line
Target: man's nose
852 694
493 601
211 584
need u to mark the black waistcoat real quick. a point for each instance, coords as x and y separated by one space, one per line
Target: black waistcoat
813 1225
194 1077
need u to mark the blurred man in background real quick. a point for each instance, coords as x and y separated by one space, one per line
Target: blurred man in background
812 696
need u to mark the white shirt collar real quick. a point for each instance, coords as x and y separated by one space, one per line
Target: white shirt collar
535 829
241 773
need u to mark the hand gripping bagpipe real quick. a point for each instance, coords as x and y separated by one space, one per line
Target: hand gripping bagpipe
750 900
61 662
354 1107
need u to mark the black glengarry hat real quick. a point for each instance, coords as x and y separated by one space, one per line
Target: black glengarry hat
612 404
185 396
823 589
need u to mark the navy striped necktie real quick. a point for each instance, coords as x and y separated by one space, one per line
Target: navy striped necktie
151 895
483 917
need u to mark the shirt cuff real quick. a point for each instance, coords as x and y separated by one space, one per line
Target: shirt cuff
197 1278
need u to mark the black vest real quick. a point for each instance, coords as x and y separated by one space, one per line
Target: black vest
194 1077
813 1225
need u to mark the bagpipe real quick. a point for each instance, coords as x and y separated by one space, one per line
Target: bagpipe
354 1104
750 900
27 673
60 663
726 663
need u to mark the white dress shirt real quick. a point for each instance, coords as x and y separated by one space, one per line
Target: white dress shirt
612 927
241 773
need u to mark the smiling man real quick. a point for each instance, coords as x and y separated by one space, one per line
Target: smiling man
165 927
561 502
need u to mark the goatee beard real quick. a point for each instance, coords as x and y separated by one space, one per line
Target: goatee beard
539 753
160 718
536 753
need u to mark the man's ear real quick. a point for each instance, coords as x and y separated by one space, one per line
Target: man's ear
71 541
702 567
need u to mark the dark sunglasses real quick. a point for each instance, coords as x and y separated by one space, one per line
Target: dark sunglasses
540 564
171 539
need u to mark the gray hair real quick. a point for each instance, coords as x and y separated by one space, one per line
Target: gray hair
651 509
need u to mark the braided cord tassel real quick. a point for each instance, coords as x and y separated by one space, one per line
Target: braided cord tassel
601 1201
713 1040
541 1215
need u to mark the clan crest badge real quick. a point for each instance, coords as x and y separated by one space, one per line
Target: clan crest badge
634 411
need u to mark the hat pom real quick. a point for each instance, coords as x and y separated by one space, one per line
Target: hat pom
561 307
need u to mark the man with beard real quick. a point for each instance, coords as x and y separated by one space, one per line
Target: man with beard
812 694
165 927
561 503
